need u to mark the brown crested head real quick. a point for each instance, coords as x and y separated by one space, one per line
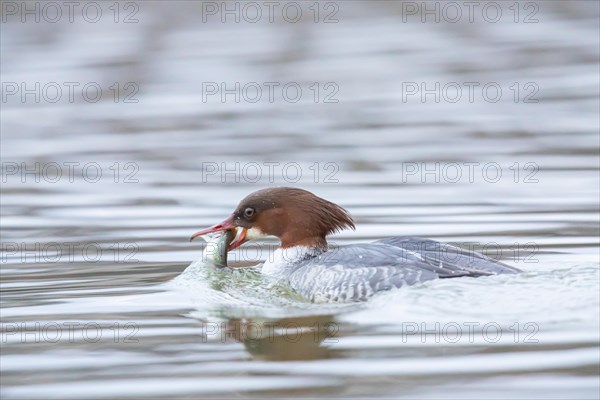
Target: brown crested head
296 216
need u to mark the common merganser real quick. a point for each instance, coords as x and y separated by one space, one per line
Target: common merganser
356 272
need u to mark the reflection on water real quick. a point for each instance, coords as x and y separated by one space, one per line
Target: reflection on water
94 302
284 339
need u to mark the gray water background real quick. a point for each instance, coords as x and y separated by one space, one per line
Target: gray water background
126 330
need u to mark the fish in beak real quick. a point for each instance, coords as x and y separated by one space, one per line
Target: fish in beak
238 240
217 247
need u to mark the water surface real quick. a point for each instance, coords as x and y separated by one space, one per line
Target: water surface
92 306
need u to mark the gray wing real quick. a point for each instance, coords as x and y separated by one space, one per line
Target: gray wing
352 273
357 272
454 260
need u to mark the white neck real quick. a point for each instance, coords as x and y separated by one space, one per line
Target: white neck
283 260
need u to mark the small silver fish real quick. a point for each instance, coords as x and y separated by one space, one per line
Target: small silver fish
216 248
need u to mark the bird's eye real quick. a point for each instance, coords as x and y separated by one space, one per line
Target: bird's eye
249 212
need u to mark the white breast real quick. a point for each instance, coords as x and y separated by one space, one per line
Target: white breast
283 261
